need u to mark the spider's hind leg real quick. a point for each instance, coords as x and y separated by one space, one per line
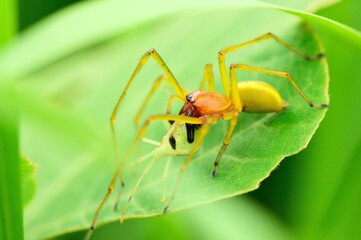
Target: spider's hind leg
282 74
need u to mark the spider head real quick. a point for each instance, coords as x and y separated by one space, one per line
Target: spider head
200 104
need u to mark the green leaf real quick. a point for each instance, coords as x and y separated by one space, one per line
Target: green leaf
226 219
72 86
327 207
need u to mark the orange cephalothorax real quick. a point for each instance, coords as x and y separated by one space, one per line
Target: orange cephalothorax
201 104
204 102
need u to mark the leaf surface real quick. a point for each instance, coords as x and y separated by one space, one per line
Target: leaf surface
77 93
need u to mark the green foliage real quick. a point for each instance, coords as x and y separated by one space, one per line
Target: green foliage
66 91
330 169
11 222
9 18
27 176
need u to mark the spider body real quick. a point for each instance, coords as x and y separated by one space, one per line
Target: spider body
201 109
255 96
203 104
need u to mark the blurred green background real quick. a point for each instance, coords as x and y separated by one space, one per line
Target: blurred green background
315 194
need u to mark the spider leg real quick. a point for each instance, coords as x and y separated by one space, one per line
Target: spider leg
170 101
281 74
143 60
203 132
154 88
115 207
101 205
141 133
208 77
169 106
223 52
179 119
165 177
237 104
169 77
226 141
134 190
180 93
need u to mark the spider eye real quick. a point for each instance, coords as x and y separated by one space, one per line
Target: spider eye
190 98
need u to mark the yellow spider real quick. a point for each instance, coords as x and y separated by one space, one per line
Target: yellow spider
201 109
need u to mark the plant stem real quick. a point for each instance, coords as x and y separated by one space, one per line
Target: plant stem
9 23
11 221
11 216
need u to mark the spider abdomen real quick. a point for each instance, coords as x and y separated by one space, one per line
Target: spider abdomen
260 97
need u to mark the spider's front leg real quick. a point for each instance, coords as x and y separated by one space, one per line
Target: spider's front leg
169 77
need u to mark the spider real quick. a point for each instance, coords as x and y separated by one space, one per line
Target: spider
202 108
